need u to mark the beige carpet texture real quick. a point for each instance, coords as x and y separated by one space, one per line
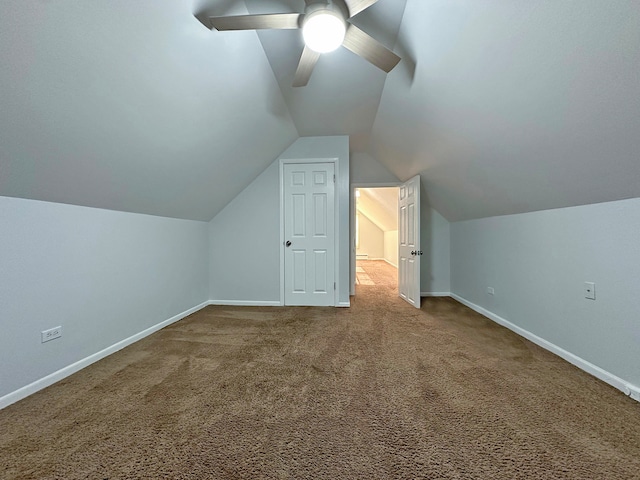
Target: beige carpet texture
376 391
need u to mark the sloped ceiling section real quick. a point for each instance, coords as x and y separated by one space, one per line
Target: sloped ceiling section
380 205
133 106
516 106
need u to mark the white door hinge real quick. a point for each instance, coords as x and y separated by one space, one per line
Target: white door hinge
334 285
334 178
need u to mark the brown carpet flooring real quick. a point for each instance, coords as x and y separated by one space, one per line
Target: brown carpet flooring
377 391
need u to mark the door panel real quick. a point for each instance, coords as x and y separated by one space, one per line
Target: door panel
409 241
320 214
320 264
298 229
299 270
309 224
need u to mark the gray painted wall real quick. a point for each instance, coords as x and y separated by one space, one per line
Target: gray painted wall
103 275
537 263
244 238
435 266
244 256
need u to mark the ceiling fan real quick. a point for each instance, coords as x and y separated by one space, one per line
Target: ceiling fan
325 27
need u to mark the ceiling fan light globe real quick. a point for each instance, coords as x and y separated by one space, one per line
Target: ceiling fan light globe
323 31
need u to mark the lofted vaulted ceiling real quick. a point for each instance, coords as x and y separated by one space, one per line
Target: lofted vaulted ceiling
501 106
133 106
516 106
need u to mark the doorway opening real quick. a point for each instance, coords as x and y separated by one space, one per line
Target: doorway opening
375 237
408 234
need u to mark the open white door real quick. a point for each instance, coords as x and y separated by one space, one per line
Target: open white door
409 241
309 234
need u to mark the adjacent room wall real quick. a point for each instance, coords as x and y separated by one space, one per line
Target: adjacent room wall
249 228
371 238
104 276
538 263
391 247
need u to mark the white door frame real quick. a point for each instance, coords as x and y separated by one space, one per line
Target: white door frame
352 226
298 161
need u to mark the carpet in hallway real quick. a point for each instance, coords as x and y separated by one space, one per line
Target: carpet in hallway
376 272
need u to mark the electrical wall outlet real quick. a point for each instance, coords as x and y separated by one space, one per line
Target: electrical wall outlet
590 290
51 334
490 290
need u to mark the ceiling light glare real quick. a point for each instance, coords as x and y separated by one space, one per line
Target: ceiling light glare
323 31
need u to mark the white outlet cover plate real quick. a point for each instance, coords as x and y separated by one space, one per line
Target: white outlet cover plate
51 334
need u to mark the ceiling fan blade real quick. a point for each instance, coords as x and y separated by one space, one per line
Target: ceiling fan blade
257 22
305 67
203 14
370 49
356 6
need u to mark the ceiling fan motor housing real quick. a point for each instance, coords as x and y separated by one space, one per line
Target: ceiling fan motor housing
324 26
337 7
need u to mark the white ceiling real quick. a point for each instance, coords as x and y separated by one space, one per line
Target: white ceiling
502 106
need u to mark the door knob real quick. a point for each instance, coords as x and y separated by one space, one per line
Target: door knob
288 244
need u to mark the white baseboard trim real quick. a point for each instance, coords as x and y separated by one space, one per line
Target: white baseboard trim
258 303
608 377
246 303
64 372
435 294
